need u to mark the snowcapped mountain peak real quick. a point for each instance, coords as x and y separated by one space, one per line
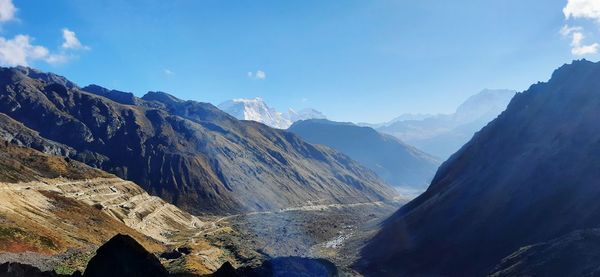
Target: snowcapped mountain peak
248 100
256 109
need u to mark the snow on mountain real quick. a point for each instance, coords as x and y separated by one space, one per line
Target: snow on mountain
443 134
304 114
256 109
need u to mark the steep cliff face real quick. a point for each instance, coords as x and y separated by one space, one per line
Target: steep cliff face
529 176
189 153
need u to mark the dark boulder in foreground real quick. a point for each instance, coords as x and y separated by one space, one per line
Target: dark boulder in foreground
282 266
123 256
575 254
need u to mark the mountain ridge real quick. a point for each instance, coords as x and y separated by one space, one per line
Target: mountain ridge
494 194
441 135
399 164
256 109
189 153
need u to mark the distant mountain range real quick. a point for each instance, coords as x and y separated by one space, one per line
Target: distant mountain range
442 135
527 179
188 153
399 164
257 110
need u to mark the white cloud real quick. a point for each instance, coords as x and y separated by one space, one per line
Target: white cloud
566 30
71 41
578 48
585 9
259 75
589 9
7 10
20 51
168 72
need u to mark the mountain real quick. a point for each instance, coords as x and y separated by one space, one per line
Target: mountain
574 254
257 110
188 153
54 207
399 164
402 117
529 176
442 135
304 114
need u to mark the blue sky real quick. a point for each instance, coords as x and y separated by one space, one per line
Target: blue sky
353 60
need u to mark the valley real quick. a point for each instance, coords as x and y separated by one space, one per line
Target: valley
56 206
299 138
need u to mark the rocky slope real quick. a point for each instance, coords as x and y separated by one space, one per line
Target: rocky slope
37 218
442 135
56 211
399 164
574 254
189 153
529 176
26 170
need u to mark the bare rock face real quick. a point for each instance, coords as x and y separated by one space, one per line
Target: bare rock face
529 176
188 153
123 256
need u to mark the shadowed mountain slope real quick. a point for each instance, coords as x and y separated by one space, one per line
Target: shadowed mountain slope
189 153
397 163
529 176
574 254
